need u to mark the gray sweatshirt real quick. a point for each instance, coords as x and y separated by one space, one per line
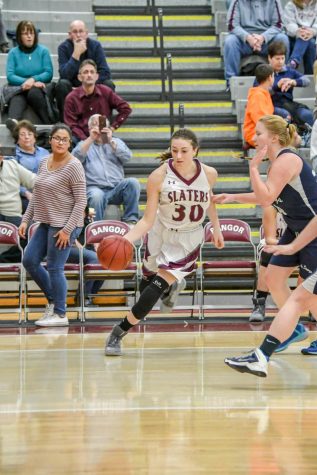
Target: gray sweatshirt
12 176
294 17
255 16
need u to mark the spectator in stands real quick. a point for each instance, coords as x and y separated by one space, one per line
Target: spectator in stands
285 79
103 163
30 66
252 26
4 43
259 101
27 153
58 204
300 22
71 53
313 147
12 176
91 98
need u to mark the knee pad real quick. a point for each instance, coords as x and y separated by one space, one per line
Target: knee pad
149 297
145 282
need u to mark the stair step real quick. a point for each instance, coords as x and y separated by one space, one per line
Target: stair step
125 86
146 21
139 7
226 159
163 132
191 63
131 42
178 96
211 51
150 109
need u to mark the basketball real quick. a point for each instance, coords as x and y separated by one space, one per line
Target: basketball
115 253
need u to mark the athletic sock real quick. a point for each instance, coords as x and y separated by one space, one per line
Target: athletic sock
269 345
260 294
125 325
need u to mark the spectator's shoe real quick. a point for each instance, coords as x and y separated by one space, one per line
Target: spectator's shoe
49 310
169 299
4 48
54 320
11 124
254 362
311 349
258 312
228 86
300 333
293 64
113 342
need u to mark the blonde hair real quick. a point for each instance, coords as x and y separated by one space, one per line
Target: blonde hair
185 134
276 125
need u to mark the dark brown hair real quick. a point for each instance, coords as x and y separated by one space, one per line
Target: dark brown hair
26 25
185 134
88 61
276 48
23 124
263 72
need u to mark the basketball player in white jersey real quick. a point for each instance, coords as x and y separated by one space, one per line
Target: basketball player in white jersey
178 199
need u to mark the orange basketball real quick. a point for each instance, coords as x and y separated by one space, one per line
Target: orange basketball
115 253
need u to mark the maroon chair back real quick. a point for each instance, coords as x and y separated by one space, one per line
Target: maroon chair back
232 229
96 231
9 234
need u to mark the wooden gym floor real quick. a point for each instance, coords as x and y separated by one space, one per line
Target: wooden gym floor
168 406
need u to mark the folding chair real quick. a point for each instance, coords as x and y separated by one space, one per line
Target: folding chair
228 273
129 277
192 285
10 273
72 273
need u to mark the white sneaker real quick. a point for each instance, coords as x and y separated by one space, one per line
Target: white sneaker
169 301
54 320
254 362
49 310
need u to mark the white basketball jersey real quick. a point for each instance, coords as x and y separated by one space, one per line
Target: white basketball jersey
183 203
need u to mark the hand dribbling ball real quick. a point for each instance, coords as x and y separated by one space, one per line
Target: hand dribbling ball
115 252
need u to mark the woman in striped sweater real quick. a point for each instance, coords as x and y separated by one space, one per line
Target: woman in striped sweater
58 204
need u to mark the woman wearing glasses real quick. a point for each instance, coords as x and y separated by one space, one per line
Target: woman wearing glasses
30 66
58 204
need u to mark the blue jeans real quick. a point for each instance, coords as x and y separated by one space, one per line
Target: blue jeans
52 281
235 49
89 257
300 114
304 50
11 219
127 192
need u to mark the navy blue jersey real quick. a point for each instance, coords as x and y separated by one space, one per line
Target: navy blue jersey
297 201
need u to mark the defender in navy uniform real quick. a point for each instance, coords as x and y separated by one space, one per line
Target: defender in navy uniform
178 199
292 189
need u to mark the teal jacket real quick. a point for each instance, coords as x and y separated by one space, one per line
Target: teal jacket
22 66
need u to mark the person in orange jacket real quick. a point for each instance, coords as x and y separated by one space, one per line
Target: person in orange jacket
259 101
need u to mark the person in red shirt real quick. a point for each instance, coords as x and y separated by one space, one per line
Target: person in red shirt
259 101
89 99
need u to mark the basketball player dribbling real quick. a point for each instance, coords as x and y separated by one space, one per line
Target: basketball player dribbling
292 189
178 199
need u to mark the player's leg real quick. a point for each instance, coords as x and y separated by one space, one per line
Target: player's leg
148 298
262 290
256 362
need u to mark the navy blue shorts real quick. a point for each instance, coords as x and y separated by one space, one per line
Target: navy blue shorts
306 259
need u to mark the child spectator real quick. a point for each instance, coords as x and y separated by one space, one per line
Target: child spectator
300 21
259 101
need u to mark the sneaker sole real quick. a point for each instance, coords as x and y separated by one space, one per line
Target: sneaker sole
44 324
245 369
300 337
306 352
111 353
168 308
256 320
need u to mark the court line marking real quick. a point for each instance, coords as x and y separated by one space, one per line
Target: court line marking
155 408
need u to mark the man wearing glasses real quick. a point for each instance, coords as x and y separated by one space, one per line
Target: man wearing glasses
71 53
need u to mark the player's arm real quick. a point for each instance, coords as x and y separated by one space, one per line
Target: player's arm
153 193
212 176
269 225
282 171
305 237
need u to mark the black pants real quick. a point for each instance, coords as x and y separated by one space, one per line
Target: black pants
33 97
64 87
